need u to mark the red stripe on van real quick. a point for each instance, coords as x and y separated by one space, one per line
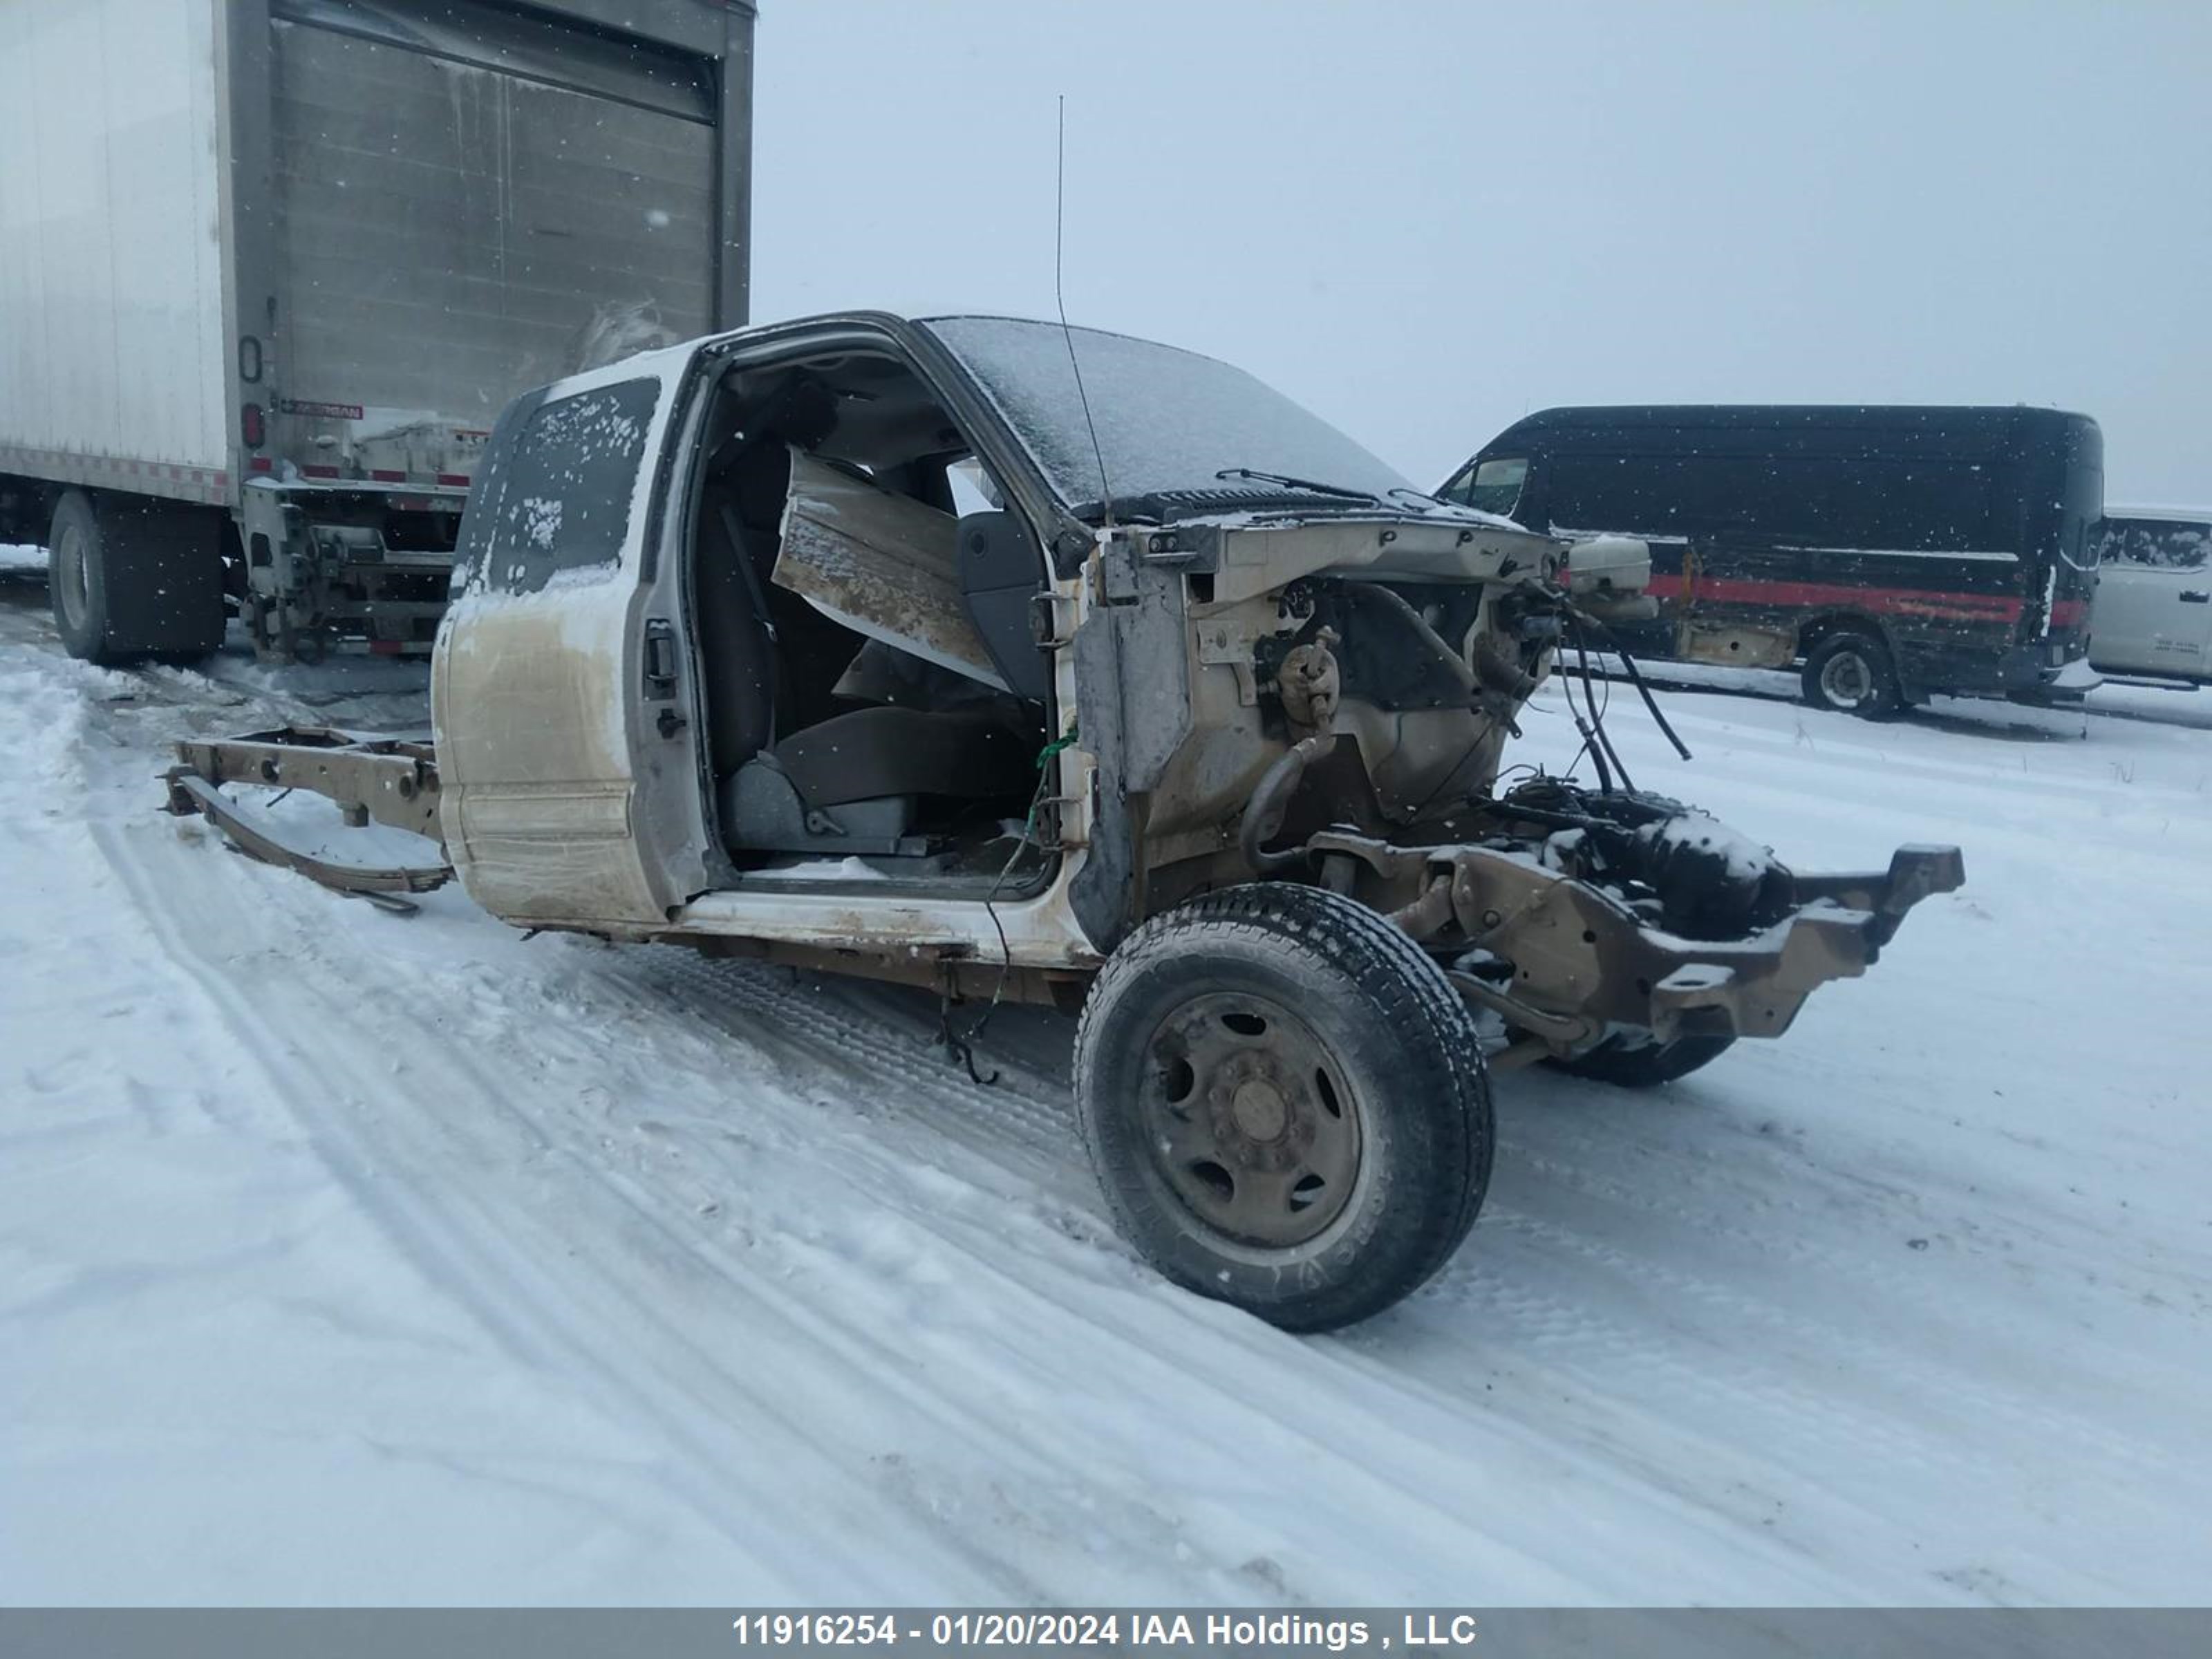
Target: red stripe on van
1890 601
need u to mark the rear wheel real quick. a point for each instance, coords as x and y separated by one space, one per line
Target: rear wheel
76 578
130 578
1286 1102
1645 1062
1853 674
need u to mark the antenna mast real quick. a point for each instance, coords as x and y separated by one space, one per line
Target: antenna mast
1068 334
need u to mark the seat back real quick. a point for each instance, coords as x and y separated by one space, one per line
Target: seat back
1001 572
736 642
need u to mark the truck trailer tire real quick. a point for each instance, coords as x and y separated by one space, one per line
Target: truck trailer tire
1853 674
1286 1103
76 578
1630 1065
132 578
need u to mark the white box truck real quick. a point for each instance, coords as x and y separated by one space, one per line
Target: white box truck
270 268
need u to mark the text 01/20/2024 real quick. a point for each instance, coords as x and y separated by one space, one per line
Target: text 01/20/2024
1024 1628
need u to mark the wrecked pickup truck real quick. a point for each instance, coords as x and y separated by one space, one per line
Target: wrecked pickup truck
1019 662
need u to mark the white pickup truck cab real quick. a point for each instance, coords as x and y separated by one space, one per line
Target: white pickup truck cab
1019 661
2152 613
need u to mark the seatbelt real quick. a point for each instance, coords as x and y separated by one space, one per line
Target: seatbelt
771 681
735 531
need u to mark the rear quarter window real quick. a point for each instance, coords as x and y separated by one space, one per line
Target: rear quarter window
2155 543
555 497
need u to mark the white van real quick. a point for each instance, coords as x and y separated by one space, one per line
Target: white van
2152 613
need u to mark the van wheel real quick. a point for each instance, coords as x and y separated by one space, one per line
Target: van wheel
1286 1103
1853 674
1628 1063
132 579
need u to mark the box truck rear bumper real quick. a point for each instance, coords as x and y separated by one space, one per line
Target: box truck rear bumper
347 566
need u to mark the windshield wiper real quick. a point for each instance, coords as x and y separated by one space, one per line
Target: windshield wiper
1338 490
1419 494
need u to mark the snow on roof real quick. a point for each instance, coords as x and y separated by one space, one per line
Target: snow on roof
2136 510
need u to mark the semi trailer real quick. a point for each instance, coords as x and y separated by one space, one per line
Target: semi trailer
269 269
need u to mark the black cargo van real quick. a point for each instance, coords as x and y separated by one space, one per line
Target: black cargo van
1893 551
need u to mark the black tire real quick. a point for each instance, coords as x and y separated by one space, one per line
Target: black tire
1627 1064
1270 1028
132 578
1853 674
76 578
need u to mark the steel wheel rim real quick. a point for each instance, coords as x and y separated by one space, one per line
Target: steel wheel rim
1848 678
1250 1124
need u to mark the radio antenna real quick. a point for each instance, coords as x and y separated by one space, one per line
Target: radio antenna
1060 300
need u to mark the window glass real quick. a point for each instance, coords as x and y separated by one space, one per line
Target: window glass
2162 543
1457 488
558 498
974 489
1164 421
1812 500
1496 484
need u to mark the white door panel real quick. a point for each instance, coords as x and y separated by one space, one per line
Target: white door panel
571 791
2141 621
2153 607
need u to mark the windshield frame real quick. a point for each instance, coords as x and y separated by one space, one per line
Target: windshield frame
1153 471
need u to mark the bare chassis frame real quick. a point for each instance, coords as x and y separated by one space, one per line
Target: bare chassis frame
1565 963
1561 962
389 780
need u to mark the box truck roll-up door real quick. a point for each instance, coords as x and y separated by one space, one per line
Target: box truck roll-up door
471 202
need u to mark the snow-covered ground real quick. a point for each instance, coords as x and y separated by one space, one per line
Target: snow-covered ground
351 1258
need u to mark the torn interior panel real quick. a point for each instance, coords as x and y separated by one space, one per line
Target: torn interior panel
880 563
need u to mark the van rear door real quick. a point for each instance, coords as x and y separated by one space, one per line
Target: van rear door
2071 585
560 692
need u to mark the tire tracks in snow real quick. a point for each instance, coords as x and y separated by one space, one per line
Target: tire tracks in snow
486 1235
476 1237
927 1328
495 1234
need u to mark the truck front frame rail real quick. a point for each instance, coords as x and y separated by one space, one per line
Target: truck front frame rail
1573 964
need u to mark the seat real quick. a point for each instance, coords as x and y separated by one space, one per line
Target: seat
969 754
854 784
737 640
793 775
762 650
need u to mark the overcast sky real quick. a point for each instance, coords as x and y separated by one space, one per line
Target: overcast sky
1424 218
